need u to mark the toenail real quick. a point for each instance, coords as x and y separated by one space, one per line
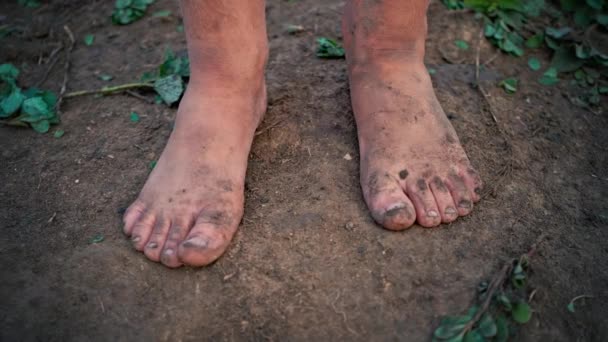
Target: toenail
136 238
466 204
169 251
196 242
152 245
450 211
432 213
394 209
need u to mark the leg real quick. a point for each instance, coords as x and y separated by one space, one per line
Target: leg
192 203
413 167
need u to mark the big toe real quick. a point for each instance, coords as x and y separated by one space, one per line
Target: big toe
205 244
389 205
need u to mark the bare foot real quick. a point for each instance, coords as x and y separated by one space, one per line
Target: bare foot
413 167
192 203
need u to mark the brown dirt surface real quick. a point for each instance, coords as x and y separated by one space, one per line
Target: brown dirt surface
308 262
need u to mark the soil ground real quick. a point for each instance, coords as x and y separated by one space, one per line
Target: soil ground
308 262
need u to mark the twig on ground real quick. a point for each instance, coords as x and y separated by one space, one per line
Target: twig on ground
53 60
110 90
139 96
13 122
491 59
498 282
66 69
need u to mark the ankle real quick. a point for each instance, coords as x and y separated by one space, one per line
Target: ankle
239 66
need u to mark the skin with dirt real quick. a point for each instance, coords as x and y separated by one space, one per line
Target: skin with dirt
308 262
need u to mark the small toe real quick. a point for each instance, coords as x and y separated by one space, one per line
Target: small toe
177 233
460 193
142 230
156 241
427 213
132 214
444 200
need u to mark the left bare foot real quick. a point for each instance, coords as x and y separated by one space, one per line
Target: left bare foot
413 167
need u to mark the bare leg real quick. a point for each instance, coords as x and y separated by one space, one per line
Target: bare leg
413 167
192 203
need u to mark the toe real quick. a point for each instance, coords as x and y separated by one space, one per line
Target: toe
473 183
209 238
157 239
142 230
387 202
460 193
444 200
132 214
205 244
427 213
177 233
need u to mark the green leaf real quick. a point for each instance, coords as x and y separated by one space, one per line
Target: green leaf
461 44
568 5
565 60
41 126
152 164
173 65
583 16
97 238
8 71
431 71
534 63
597 4
602 19
170 88
128 11
489 30
509 85
36 108
89 39
180 28
120 4
504 300
549 77
105 77
502 329
519 280
557 33
10 104
521 313
551 43
59 133
161 13
29 3
134 117
328 48
487 326
535 41
451 326
533 8
571 307
473 336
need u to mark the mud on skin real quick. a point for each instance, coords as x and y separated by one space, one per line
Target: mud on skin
400 122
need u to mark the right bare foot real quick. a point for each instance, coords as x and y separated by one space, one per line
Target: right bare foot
192 202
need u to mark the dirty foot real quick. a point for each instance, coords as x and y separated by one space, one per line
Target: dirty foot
413 167
192 203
